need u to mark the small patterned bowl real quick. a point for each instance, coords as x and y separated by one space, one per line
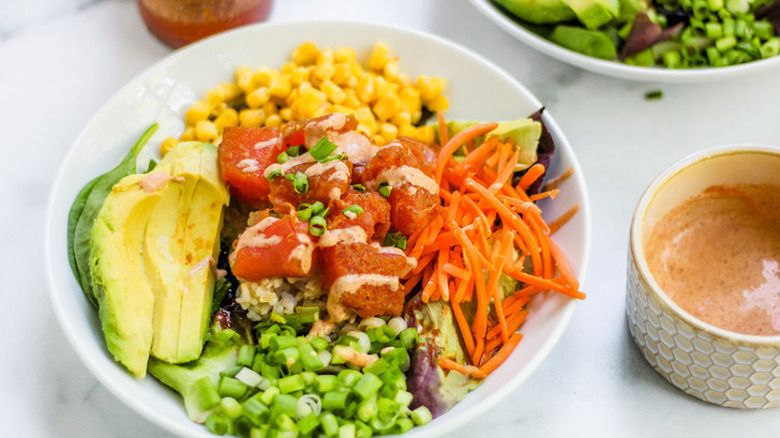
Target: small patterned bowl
707 362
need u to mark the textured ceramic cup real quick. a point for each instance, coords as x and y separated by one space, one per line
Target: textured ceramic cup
715 365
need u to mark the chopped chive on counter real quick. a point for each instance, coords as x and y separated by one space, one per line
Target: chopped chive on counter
654 95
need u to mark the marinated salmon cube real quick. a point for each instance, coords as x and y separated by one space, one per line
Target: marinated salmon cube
273 247
244 154
325 182
412 208
374 218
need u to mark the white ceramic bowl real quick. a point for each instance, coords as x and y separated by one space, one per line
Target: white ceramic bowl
707 362
614 68
477 89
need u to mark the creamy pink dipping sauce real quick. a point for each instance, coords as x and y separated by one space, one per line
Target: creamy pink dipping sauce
717 255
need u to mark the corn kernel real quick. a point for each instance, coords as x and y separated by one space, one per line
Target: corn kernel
324 72
280 86
365 89
407 131
425 134
244 79
386 107
430 88
438 104
257 98
305 54
378 57
405 80
216 110
286 114
270 108
197 112
205 131
401 118
350 99
352 82
168 144
340 109
334 93
388 131
366 120
251 117
344 54
391 70
229 117
300 75
378 140
273 121
341 74
410 100
263 76
383 87
188 134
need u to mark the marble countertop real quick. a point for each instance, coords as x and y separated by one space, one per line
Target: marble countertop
60 61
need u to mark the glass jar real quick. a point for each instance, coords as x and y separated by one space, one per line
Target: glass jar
180 22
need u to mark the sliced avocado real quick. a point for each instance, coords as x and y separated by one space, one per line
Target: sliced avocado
588 42
182 235
125 297
594 13
539 11
201 245
524 133
164 242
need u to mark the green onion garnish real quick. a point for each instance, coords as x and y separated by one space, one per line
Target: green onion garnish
299 181
306 211
322 149
273 174
294 151
354 209
329 158
655 94
317 226
397 240
359 188
282 158
384 189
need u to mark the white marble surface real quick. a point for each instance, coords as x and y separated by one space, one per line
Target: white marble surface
61 60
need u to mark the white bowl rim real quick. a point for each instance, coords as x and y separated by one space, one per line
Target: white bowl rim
614 68
637 244
433 428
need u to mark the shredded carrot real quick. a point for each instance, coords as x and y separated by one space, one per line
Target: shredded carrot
487 229
556 224
467 370
555 182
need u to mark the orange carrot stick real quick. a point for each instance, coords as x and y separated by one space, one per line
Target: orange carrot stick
457 141
466 370
502 354
530 176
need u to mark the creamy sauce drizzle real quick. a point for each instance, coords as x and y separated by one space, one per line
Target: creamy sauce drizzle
343 235
248 165
397 176
267 143
156 181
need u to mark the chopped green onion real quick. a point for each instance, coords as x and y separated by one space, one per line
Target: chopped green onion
319 343
326 382
273 174
770 48
207 395
230 407
353 209
217 424
246 355
384 189
231 387
290 384
294 151
299 181
367 409
282 158
396 239
330 158
349 377
367 386
284 404
255 409
322 149
333 400
359 188
330 424
655 94
307 424
308 314
317 226
269 395
309 358
347 431
288 357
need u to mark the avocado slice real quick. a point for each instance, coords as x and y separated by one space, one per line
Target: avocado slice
123 292
201 247
539 11
594 13
181 237
524 133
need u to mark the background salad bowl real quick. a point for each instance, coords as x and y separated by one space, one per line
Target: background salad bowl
515 28
477 90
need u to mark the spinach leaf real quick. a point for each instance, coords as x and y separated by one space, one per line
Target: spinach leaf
86 207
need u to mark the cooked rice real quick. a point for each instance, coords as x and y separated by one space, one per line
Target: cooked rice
280 295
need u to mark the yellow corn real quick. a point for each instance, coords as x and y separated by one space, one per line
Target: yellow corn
251 117
430 88
257 98
229 117
206 131
244 79
273 121
168 144
305 54
387 106
440 103
344 54
334 93
198 111
378 57
280 86
188 134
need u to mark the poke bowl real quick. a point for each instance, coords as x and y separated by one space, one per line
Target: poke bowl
476 91
538 37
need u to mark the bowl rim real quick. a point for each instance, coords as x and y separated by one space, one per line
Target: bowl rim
52 225
637 246
614 68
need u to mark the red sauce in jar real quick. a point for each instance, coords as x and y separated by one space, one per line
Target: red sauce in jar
180 22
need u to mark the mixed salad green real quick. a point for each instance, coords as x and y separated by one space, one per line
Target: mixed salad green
664 33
